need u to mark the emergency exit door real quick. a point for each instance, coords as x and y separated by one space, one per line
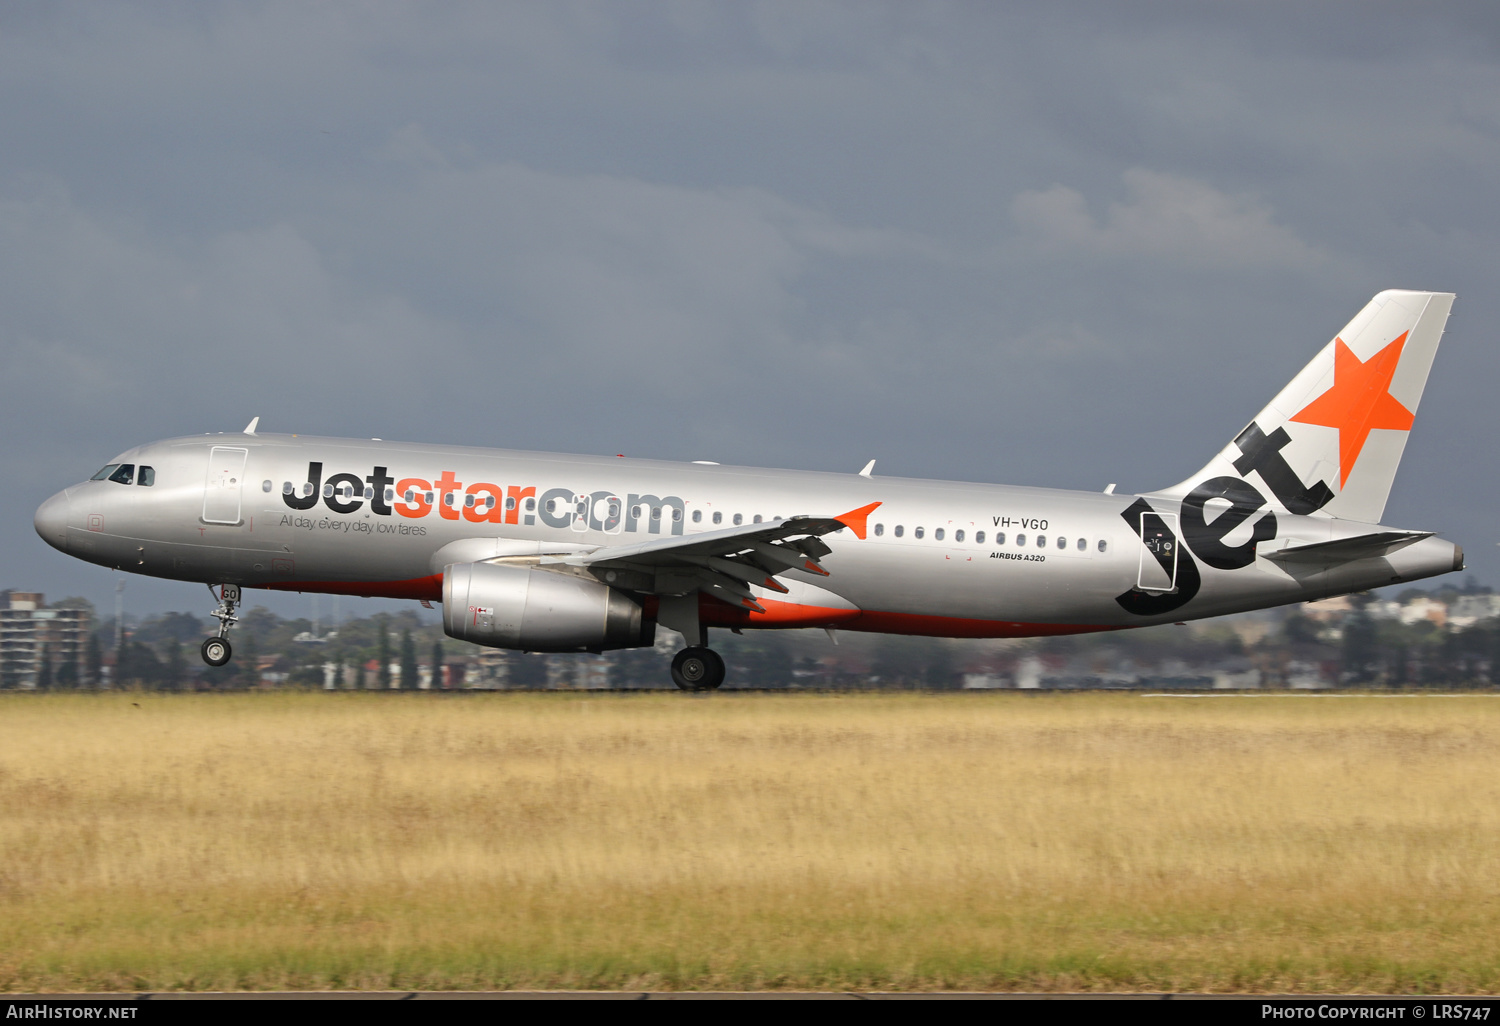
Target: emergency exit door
1159 546
221 489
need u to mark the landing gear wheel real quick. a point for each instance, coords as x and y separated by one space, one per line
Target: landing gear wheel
698 669
216 651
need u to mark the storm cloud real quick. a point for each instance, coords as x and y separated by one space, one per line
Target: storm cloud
1065 244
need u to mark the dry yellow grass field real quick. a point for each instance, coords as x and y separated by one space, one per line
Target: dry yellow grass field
961 841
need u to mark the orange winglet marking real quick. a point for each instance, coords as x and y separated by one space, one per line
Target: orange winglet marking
815 568
855 519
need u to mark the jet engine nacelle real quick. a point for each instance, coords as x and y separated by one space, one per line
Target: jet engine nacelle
538 611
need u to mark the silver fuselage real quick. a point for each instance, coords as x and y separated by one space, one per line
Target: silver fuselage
932 561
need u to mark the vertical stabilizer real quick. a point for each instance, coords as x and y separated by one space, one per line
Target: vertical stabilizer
1330 442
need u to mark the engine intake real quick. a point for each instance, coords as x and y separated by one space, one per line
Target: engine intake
538 611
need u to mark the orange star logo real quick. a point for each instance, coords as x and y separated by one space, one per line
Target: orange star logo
1359 401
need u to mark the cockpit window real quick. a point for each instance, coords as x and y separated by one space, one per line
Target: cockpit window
124 475
104 474
147 477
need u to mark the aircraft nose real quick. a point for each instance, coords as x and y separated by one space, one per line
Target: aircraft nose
51 521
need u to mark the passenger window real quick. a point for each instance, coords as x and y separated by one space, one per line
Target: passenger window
147 477
369 491
879 530
430 497
411 495
265 486
938 534
448 499
286 488
1083 545
1020 539
655 512
104 472
1103 544
1041 541
958 536
390 494
978 537
1062 543
328 491
676 515
697 516
900 530
468 501
919 532
124 475
757 518
738 519
999 537
635 511
531 505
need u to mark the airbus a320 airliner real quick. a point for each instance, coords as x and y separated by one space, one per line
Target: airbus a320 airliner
556 553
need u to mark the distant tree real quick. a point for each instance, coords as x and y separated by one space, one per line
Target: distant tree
67 674
175 670
940 671
1399 658
145 669
123 669
43 668
437 663
249 659
408 660
526 671
1359 646
383 670
1299 630
93 659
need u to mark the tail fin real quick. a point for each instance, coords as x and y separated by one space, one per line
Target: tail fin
1331 441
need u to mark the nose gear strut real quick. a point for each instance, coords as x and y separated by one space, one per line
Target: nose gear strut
217 650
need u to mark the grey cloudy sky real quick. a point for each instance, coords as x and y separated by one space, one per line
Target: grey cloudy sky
1057 244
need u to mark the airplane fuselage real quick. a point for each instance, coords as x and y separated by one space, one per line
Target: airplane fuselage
376 518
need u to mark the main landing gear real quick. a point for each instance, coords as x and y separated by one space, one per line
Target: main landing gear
217 650
698 668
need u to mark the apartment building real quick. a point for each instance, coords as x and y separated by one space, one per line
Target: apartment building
30 632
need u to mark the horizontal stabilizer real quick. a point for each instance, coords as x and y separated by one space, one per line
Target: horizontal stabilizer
1346 550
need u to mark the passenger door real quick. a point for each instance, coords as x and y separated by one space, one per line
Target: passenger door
221 489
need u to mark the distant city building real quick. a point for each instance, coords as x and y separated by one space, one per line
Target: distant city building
1335 608
1467 610
1424 608
28 630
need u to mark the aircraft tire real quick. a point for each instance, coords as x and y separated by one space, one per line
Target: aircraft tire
216 651
698 669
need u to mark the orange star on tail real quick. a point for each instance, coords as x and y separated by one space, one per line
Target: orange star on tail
1359 401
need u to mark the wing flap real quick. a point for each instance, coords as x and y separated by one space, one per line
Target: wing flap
727 563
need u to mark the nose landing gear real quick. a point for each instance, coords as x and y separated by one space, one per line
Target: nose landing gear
217 650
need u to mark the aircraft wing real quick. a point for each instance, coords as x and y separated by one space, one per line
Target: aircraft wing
1343 550
722 563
